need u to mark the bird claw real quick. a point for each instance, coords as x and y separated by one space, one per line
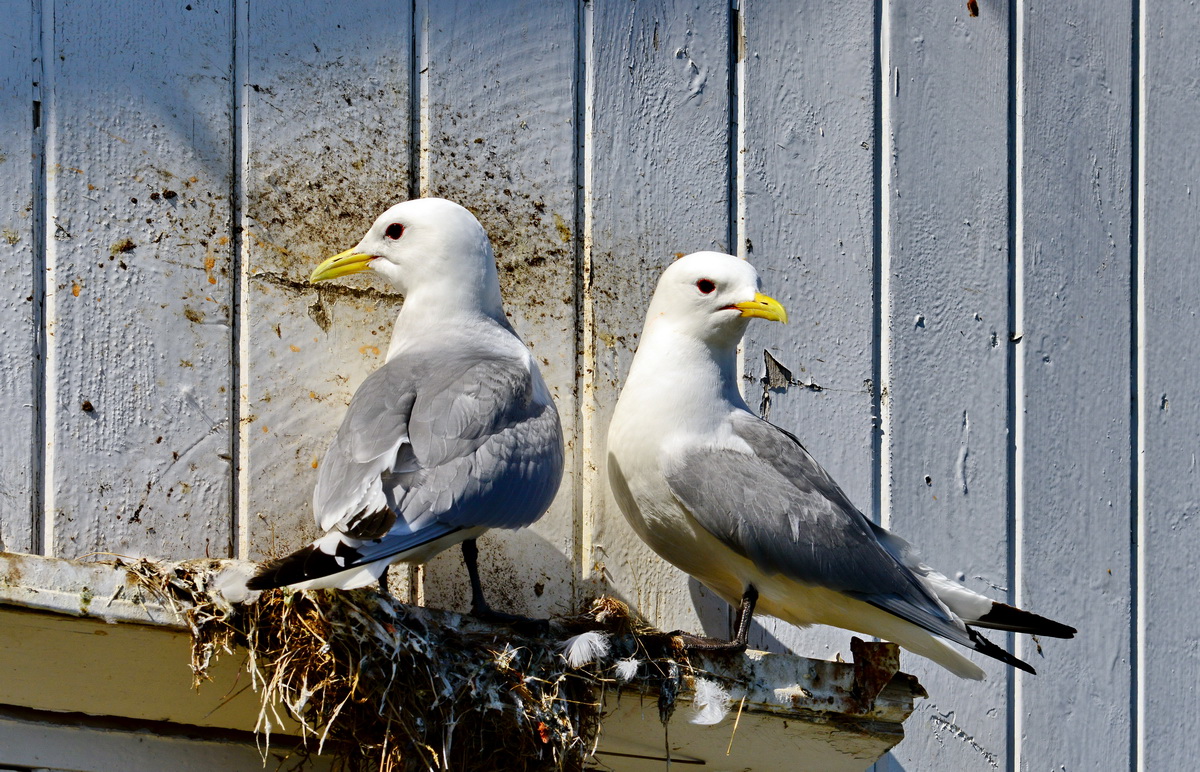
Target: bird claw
524 624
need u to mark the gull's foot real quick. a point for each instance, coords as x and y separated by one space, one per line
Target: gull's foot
524 624
692 642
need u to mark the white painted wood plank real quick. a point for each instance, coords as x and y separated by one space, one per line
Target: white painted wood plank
498 136
327 146
1170 406
139 162
809 229
658 185
946 360
1074 452
18 265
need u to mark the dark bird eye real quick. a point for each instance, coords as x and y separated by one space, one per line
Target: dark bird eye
706 286
394 231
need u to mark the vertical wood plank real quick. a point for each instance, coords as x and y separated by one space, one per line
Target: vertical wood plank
1168 664
809 229
498 136
139 160
327 127
19 392
946 371
659 185
1074 451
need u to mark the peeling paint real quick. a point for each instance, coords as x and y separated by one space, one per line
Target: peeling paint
964 453
944 723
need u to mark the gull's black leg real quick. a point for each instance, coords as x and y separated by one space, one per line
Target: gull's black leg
745 612
383 582
470 551
741 627
479 607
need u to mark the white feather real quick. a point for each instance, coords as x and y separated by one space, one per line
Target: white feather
627 669
711 702
586 647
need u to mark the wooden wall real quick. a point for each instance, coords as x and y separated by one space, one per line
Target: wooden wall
984 229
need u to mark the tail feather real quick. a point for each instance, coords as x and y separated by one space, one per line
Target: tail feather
1005 617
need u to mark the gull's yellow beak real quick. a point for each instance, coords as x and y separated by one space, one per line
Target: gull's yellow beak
763 307
341 264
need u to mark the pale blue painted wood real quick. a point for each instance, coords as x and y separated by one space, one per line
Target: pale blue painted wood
20 264
1075 450
946 350
1168 402
139 162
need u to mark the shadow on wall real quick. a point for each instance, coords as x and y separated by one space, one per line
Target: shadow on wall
523 573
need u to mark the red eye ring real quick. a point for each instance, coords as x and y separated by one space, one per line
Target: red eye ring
706 286
394 231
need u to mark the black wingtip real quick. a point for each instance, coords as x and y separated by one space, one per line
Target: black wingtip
267 575
263 580
1005 617
302 565
984 646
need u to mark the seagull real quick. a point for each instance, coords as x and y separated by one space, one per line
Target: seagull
456 433
739 504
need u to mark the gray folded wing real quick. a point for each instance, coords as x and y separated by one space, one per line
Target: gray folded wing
777 507
460 436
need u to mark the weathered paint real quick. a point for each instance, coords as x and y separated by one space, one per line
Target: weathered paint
1019 299
34 741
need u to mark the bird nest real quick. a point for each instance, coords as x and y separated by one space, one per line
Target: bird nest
382 685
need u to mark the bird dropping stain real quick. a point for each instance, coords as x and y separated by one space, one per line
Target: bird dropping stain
564 232
122 246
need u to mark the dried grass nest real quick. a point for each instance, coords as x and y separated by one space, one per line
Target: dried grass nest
382 685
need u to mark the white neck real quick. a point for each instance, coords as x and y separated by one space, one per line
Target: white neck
446 305
709 378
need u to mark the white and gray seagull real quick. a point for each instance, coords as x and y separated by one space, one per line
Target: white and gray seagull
455 434
739 504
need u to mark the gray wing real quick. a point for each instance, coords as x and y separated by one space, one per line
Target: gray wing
780 509
458 438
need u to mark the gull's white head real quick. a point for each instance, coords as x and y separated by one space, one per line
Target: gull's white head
710 296
425 246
